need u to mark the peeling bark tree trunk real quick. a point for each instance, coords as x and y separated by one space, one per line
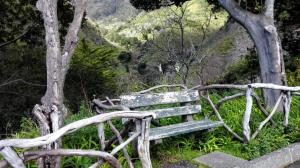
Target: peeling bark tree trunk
268 46
50 114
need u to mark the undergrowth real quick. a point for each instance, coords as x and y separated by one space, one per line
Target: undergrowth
186 147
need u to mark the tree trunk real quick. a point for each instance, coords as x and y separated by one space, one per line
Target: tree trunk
50 114
268 46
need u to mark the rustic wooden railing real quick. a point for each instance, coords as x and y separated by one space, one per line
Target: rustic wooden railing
11 158
249 92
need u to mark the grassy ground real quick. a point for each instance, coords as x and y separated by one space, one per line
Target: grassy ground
184 147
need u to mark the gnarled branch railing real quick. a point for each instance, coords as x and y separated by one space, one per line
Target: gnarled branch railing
15 160
248 91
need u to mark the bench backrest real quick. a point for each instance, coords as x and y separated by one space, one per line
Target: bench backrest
151 99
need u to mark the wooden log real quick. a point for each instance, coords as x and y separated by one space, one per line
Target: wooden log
269 117
247 115
144 144
287 106
12 157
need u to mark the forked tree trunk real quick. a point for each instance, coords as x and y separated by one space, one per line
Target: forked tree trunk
264 34
268 47
50 114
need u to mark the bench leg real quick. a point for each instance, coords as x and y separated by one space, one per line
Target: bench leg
144 144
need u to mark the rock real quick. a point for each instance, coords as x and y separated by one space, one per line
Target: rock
220 160
181 164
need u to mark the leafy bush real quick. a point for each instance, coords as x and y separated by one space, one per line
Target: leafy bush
93 71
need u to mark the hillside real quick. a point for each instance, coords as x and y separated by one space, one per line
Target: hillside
221 44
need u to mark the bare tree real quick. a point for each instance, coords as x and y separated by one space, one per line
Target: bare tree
51 112
178 46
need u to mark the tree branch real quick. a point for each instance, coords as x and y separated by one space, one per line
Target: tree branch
22 81
15 39
269 8
238 13
71 37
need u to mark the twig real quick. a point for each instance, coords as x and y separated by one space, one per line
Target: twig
22 81
160 86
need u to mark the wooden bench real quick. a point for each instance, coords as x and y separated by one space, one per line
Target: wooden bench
186 105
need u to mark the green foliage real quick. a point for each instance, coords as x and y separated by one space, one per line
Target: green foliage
23 58
93 71
184 147
293 77
245 70
225 46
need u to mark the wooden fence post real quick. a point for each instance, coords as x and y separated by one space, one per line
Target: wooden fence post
247 115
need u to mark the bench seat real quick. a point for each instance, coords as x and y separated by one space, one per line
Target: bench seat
182 128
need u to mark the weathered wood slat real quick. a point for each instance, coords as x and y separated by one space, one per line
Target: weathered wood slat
182 128
141 100
176 111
